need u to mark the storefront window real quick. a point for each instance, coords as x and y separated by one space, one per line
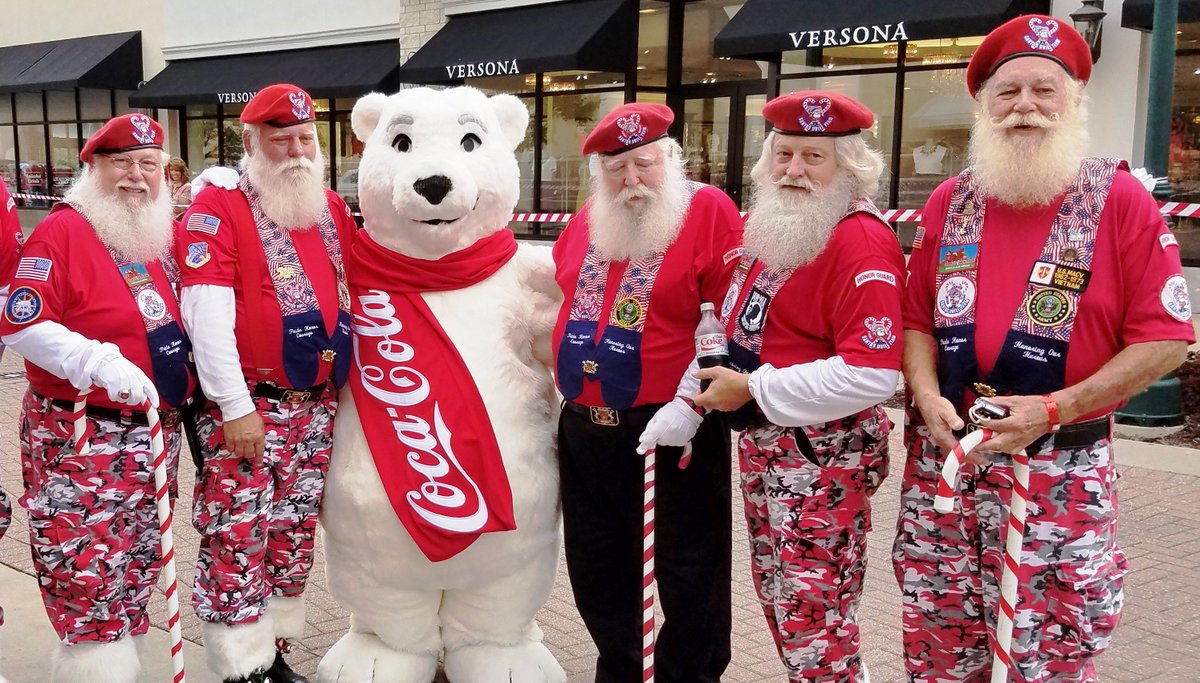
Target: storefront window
652 43
938 115
201 144
32 172
60 105
64 157
753 136
29 107
6 105
512 84
349 154
1183 161
95 104
569 118
8 158
701 23
705 139
843 58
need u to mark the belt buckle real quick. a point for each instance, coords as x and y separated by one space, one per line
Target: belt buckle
295 396
604 416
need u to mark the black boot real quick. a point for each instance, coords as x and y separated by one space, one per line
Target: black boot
280 672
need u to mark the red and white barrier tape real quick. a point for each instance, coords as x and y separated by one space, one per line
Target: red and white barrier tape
1179 209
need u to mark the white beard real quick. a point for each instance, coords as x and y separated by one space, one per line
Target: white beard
790 229
291 193
622 233
138 228
1033 170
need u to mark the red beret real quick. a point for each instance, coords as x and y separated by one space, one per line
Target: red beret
629 126
818 112
122 134
279 105
1034 35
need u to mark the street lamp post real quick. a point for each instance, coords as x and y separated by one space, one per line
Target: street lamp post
1089 21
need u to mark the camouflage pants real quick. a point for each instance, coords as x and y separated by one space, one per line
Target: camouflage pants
258 521
808 525
93 521
949 565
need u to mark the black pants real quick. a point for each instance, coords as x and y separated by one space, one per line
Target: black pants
602 520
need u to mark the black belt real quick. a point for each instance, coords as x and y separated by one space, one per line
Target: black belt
277 393
611 417
1077 435
169 417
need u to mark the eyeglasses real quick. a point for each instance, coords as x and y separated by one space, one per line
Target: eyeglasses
148 166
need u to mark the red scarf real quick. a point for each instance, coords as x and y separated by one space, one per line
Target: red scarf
422 414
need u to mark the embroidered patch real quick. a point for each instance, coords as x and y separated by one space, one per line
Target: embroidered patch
24 306
1175 299
919 238
20 238
730 255
1167 240
632 130
754 313
869 275
627 312
142 133
197 254
34 268
815 120
731 298
202 222
955 296
1049 307
1060 276
1041 35
12 204
135 275
151 304
956 258
590 367
879 334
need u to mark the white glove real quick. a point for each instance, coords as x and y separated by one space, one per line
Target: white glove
125 382
1148 181
220 176
673 425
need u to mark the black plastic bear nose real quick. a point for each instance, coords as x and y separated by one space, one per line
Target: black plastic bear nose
434 188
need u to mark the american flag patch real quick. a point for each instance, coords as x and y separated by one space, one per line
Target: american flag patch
919 238
202 222
34 268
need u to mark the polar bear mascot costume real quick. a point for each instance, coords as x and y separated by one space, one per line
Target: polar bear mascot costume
441 504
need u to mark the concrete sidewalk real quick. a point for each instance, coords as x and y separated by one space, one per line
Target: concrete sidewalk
1157 640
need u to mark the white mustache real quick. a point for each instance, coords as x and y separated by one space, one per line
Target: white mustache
1033 119
636 192
788 181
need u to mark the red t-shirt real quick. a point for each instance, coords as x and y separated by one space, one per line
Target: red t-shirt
210 229
846 302
75 282
1135 255
697 267
10 234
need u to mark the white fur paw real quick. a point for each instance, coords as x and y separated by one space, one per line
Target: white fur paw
364 658
528 662
115 662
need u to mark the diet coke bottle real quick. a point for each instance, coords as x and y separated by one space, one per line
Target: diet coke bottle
711 347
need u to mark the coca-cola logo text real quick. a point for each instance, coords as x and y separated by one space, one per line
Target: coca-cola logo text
447 498
708 344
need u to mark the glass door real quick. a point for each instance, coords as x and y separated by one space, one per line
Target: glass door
722 133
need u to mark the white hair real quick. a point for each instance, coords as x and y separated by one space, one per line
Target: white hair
862 165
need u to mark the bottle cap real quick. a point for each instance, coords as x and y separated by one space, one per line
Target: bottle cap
707 306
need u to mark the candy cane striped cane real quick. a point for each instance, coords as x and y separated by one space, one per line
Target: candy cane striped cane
82 433
648 571
162 498
1015 539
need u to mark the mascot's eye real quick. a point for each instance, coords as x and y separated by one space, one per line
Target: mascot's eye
470 142
402 143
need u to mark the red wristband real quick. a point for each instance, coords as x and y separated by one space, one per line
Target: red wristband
1052 411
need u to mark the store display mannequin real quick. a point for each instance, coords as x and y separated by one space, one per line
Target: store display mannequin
928 158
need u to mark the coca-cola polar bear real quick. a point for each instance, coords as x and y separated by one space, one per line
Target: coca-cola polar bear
441 506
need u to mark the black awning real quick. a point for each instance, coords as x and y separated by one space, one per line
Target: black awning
111 62
592 35
1139 14
763 27
339 71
